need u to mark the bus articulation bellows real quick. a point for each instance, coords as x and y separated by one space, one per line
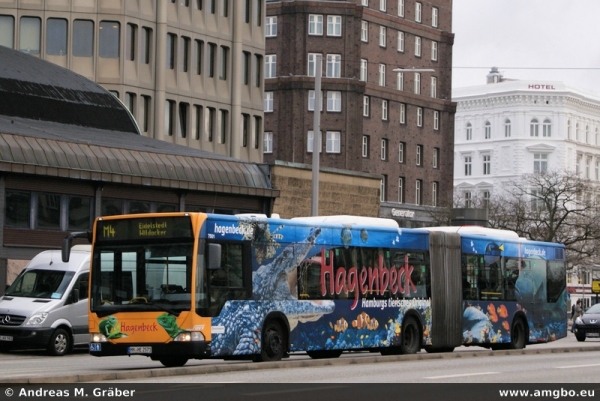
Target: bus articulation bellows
180 286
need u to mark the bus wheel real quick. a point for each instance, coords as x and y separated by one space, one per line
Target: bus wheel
518 335
60 343
411 338
173 361
324 354
580 336
273 343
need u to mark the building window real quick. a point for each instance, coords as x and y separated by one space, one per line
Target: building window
417 83
401 147
312 64
245 129
184 54
419 155
534 127
56 37
130 41
212 120
364 3
258 125
145 116
436 120
364 31
436 155
271 27
83 38
469 131
365 146
169 117
568 129
270 66
224 125
487 164
382 36
434 17
366 102
212 59
48 211
384 110
383 5
311 101
7 31
381 74
109 39
400 8
130 102
597 170
417 46
468 199
418 186
400 41
183 120
333 142
198 122
315 24
384 149
486 199
587 134
224 63
258 67
434 51
363 70
401 190
334 25
29 35
507 128
268 102
547 129
334 66
199 56
257 12
268 142
246 60
434 87
171 43
418 11
540 162
488 130
146 45
434 192
419 116
402 113
400 81
468 164
17 209
334 101
309 144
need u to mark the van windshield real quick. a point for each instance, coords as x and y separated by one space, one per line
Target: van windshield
34 283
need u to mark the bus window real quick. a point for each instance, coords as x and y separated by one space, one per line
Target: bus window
555 279
470 273
511 274
227 282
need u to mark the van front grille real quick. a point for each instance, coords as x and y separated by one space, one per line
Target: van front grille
11 320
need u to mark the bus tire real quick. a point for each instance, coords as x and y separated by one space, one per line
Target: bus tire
518 335
324 354
580 337
173 361
60 343
273 343
411 337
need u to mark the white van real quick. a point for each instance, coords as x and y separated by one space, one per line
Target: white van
46 306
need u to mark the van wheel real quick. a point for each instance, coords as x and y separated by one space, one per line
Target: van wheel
60 343
173 361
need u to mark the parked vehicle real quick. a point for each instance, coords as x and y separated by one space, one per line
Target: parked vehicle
588 325
46 305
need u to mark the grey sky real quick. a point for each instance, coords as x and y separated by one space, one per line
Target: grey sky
552 39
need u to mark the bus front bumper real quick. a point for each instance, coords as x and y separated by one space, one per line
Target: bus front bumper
191 349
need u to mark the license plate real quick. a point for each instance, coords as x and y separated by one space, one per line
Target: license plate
592 335
139 350
6 338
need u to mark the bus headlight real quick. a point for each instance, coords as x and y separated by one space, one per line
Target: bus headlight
37 318
98 338
190 336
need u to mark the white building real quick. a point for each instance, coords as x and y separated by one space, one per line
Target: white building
508 128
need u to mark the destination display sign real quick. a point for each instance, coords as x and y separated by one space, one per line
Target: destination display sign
150 228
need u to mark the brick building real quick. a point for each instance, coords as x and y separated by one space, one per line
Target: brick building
398 124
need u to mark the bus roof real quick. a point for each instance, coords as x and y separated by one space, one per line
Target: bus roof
476 230
350 220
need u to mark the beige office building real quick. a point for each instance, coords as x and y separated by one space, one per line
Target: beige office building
190 71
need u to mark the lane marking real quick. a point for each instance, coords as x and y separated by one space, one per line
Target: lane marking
576 366
462 375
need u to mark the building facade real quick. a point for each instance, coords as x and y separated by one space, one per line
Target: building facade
190 71
509 128
398 124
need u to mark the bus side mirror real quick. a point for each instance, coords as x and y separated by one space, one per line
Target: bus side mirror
214 256
66 245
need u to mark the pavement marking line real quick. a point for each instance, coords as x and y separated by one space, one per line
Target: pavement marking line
463 375
576 366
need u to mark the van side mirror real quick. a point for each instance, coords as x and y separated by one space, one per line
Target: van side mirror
68 240
214 256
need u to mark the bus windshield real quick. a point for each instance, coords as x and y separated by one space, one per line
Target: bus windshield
142 277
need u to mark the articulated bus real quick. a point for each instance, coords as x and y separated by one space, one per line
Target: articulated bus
180 286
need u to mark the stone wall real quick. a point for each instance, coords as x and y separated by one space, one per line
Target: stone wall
340 191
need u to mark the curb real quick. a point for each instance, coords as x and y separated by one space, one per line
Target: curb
244 366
